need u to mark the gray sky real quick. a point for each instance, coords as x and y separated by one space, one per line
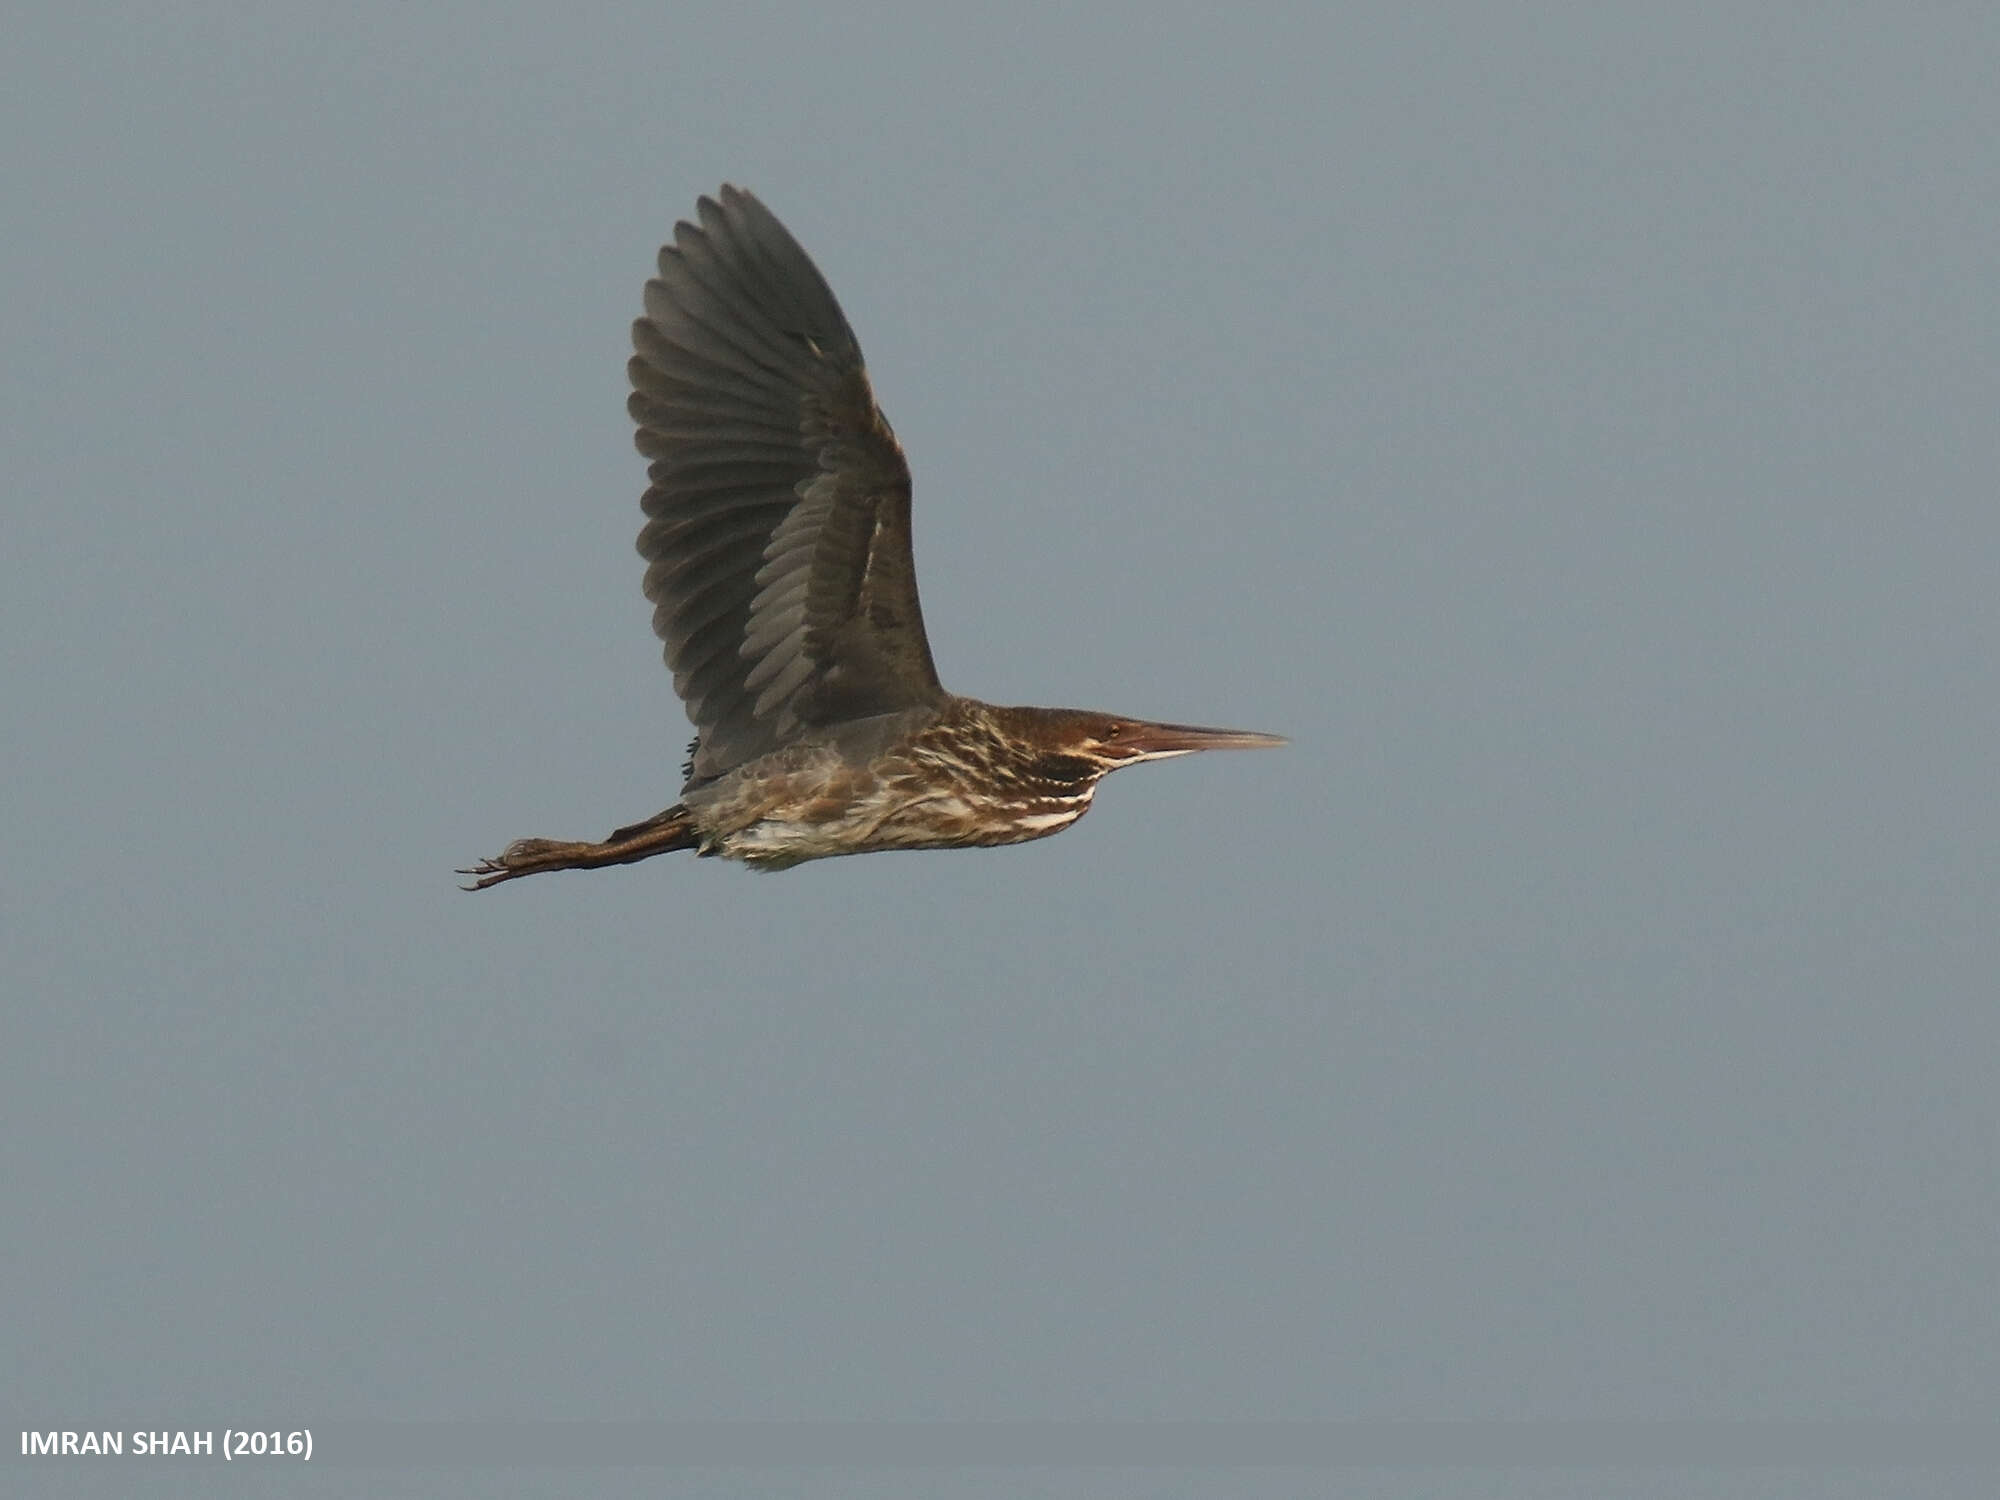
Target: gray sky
1575 428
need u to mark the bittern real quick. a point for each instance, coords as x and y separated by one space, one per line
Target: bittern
778 561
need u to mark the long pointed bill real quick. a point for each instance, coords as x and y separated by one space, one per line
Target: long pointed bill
1159 741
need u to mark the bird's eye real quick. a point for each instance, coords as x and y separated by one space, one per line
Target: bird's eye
1112 731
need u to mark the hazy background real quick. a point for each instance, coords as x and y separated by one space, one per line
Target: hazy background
1577 428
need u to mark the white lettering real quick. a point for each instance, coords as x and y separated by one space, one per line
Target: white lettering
77 1444
172 1444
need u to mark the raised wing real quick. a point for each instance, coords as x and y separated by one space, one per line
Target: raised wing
778 538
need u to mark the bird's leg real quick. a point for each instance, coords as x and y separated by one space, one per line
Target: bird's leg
672 829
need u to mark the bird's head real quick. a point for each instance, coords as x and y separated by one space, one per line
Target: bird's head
1081 745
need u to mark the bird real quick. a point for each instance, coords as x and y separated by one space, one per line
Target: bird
778 563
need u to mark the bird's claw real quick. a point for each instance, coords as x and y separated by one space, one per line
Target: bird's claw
522 857
490 872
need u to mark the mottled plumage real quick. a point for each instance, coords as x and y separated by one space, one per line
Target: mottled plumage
777 545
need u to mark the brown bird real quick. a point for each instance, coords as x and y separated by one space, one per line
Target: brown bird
778 561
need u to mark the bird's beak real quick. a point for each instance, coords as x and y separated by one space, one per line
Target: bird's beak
1157 741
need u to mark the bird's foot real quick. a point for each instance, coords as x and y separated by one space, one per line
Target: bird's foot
529 857
670 830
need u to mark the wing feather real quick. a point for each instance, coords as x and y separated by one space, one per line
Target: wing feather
777 538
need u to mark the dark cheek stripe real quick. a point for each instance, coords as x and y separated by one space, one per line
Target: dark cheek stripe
1064 770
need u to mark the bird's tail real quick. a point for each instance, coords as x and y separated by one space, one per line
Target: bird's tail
668 831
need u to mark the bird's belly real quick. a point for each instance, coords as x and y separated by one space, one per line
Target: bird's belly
822 828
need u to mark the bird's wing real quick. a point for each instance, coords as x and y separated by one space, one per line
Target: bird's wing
778 538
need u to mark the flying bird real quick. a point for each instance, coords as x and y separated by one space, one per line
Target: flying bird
777 548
